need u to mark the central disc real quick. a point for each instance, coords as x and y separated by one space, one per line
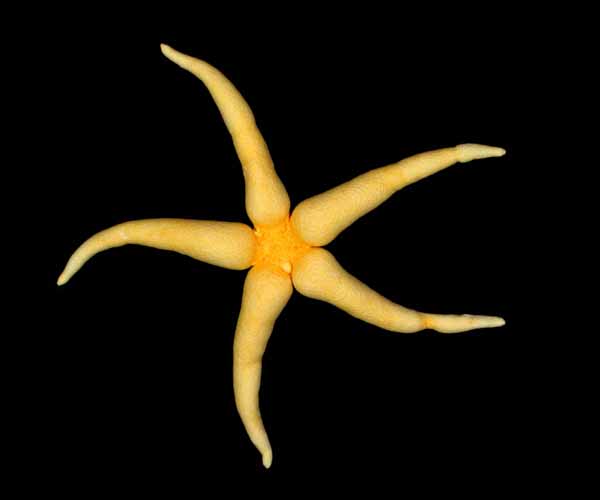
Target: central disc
278 246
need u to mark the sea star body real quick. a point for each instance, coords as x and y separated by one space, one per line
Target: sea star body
284 251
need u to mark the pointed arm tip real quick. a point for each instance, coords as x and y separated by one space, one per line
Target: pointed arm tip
469 152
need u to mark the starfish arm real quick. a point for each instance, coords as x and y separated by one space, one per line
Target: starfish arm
226 244
319 276
265 295
318 220
267 201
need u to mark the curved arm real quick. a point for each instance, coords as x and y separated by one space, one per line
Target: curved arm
318 220
267 201
226 244
319 276
265 295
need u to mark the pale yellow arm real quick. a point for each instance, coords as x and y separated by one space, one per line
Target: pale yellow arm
267 201
319 276
318 220
265 295
225 244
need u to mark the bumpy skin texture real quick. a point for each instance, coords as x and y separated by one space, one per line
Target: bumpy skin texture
283 250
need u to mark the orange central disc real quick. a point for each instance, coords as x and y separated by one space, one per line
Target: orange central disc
279 246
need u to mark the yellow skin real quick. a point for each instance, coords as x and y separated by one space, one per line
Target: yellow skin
284 251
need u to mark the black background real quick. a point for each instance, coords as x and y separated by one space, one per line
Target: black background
137 383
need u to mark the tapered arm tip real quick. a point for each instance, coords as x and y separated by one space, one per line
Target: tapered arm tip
73 265
267 459
495 322
456 323
177 57
468 152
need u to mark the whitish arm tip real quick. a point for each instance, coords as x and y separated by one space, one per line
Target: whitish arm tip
484 321
267 459
172 54
73 265
457 323
496 321
165 49
177 57
468 152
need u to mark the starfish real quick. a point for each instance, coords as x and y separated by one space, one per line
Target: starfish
285 251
